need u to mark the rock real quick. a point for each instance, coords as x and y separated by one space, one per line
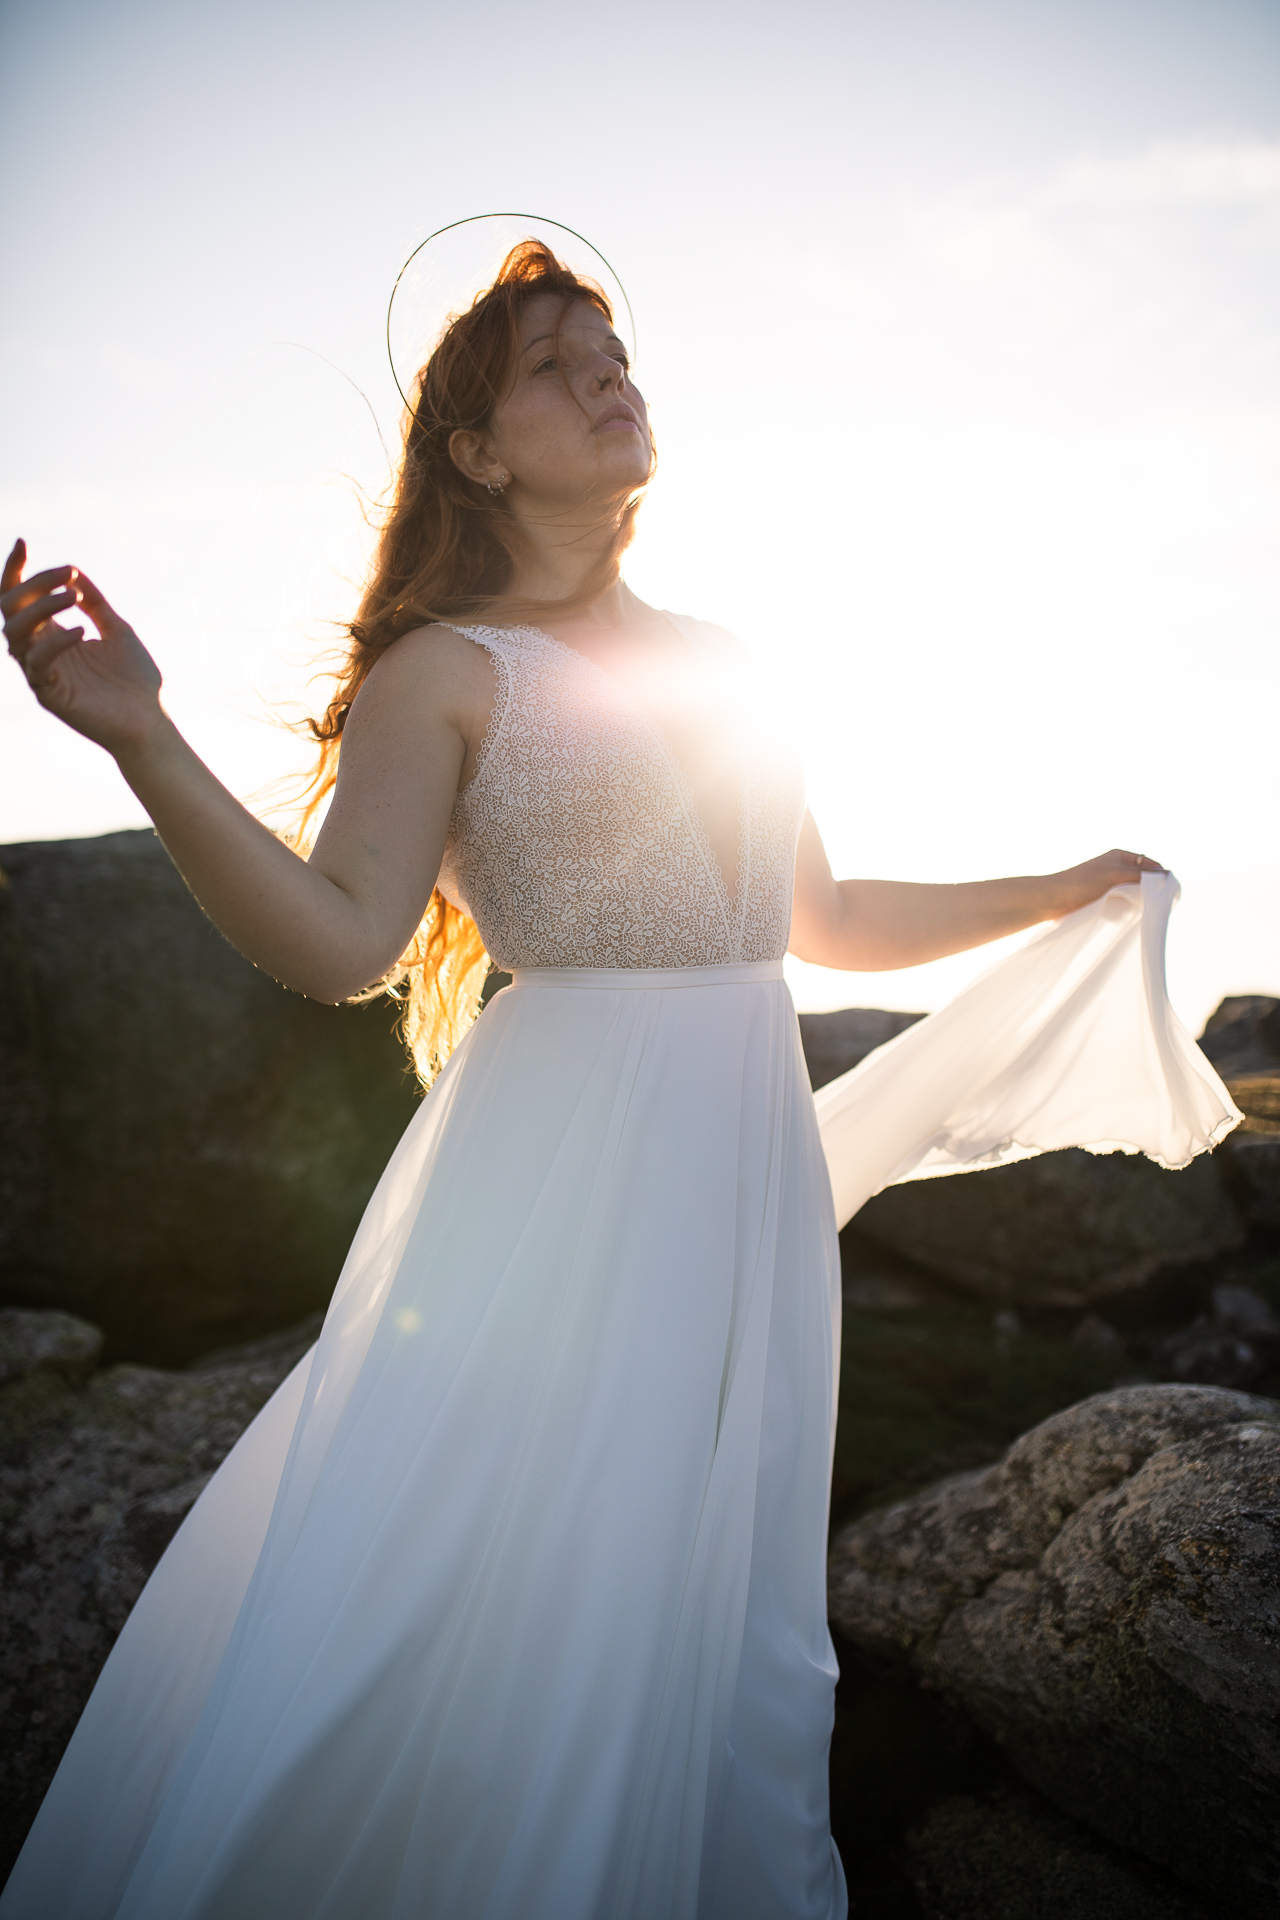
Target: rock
836 1042
185 1147
1232 1346
1242 1038
95 1479
1009 1856
133 1543
1258 1097
1096 1334
929 1386
1209 1353
24 1106
1103 1601
1242 1034
1063 1230
1251 1162
57 1341
932 1822
1248 1312
877 1293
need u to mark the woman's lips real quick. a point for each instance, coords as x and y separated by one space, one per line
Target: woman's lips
618 420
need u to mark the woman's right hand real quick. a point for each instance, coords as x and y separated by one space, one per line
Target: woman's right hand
106 688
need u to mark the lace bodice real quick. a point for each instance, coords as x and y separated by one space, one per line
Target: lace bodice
577 842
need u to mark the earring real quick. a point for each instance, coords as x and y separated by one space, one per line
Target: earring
496 487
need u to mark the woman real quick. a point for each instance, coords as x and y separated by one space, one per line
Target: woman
511 1602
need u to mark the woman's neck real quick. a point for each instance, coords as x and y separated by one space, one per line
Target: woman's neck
555 567
561 550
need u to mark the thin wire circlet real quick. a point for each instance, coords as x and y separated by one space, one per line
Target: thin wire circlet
469 220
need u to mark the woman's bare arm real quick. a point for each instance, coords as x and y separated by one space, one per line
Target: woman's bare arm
326 926
872 926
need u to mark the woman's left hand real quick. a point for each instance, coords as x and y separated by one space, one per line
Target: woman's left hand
1077 886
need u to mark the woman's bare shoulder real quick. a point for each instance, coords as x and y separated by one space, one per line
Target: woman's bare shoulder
431 669
436 653
432 646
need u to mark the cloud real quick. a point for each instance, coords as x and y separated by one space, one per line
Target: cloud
1178 173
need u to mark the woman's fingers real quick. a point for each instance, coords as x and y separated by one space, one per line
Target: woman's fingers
1092 878
1139 860
19 593
13 566
98 607
20 628
104 685
30 606
41 656
25 604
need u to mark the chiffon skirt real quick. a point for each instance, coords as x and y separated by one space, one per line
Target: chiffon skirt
510 1604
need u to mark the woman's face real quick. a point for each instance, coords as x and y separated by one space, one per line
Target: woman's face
571 426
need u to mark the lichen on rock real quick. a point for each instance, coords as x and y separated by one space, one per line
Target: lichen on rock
95 1479
1104 1602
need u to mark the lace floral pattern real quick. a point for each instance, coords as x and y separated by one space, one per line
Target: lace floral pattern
577 843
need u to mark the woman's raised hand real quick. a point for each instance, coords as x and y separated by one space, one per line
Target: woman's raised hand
107 688
1077 886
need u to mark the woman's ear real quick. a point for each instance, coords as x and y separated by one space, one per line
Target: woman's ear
474 459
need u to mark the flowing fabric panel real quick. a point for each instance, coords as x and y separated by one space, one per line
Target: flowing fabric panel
1068 1042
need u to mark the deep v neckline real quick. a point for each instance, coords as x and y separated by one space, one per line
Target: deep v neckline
732 901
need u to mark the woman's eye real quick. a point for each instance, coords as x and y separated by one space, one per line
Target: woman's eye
550 361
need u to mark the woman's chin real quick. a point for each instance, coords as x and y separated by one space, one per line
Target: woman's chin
608 483
622 458
625 477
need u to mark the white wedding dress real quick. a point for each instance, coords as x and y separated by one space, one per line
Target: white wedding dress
510 1604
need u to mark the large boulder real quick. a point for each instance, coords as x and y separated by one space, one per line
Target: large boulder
185 1147
96 1475
1062 1230
834 1043
1103 1602
1251 1163
1242 1038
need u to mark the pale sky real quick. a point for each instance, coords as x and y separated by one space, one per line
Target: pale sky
959 325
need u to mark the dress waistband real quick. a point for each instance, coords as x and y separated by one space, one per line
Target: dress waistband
648 979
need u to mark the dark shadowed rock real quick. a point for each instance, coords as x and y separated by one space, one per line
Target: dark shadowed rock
132 1545
1251 1163
1242 1034
1104 1602
1242 1038
1234 1344
95 1480
185 1147
1009 1856
23 1094
58 1342
1064 1230
931 1384
834 1043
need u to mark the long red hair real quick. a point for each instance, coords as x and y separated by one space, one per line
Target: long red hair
448 551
